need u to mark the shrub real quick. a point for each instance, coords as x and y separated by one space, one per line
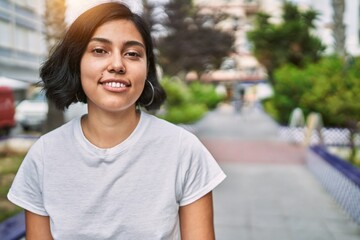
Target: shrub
182 106
8 168
186 113
206 94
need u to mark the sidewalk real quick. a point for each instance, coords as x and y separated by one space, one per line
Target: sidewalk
269 192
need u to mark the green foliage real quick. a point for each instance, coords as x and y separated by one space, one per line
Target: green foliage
177 91
187 103
186 113
270 108
335 93
8 168
330 87
205 93
291 84
288 42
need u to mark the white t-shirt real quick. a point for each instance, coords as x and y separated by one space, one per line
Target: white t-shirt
131 191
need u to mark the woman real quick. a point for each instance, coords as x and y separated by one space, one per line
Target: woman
117 172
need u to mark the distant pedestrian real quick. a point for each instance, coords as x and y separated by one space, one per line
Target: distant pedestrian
116 172
239 99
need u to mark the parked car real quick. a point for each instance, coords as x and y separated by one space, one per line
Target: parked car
31 113
7 110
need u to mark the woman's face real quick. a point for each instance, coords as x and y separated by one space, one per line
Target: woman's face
114 67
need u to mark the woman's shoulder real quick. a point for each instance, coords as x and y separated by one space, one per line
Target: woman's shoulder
164 128
64 131
160 125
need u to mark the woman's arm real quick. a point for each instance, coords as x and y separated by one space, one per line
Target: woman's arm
196 219
37 227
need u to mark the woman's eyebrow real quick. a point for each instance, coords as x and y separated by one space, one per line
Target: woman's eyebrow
133 43
126 44
99 39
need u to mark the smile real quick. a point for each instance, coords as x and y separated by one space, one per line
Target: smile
115 84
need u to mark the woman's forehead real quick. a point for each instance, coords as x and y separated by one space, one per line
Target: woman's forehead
120 28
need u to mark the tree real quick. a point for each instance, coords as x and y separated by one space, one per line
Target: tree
190 40
339 27
320 88
347 79
181 106
148 14
54 20
290 41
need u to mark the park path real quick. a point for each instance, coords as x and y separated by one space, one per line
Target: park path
269 194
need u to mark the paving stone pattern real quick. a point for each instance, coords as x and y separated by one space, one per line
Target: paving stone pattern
269 193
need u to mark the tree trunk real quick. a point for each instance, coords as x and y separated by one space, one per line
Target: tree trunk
340 50
54 20
353 127
339 27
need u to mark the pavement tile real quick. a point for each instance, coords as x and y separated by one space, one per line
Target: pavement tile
343 226
269 193
318 234
298 224
258 233
232 233
265 152
232 220
345 236
265 221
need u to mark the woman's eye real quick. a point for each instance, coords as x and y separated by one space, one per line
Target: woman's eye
99 51
132 54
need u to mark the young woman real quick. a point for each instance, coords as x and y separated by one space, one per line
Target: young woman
117 172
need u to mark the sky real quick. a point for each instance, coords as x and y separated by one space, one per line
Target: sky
76 7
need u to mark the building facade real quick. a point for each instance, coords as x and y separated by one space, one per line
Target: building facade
22 41
241 15
241 66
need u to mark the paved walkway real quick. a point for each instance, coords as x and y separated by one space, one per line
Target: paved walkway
269 193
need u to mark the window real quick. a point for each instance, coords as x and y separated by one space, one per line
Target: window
29 41
21 38
20 3
42 44
33 42
5 36
31 4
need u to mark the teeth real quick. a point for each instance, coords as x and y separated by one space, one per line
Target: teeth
115 84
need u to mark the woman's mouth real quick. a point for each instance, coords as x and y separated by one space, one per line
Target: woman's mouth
115 84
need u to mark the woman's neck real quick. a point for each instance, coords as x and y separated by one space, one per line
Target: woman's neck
106 130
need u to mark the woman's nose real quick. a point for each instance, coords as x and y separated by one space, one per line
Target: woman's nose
116 65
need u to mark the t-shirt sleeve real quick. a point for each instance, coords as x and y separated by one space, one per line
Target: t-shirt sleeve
201 173
26 189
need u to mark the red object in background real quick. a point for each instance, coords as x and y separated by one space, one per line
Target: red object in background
7 110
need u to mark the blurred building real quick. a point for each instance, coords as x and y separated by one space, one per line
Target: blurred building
241 66
240 71
22 43
325 23
241 14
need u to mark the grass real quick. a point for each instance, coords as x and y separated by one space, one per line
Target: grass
9 164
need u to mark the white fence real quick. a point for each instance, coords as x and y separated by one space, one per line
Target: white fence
331 136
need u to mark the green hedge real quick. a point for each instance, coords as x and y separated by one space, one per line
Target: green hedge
330 87
187 103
